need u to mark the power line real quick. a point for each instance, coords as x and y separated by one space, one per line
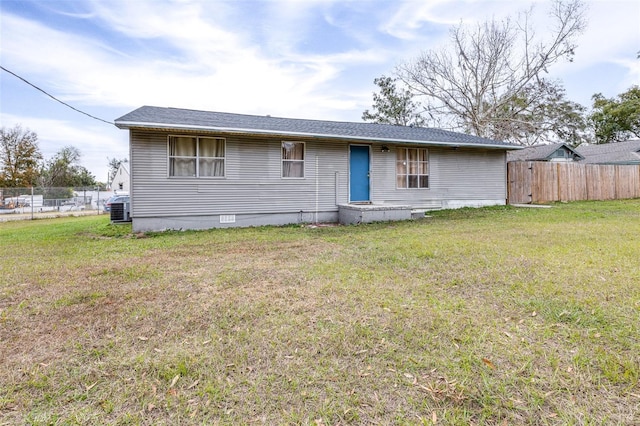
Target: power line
54 98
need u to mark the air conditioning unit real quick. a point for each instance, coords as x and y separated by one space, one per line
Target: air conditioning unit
120 212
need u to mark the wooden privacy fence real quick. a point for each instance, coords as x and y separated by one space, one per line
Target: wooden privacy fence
544 182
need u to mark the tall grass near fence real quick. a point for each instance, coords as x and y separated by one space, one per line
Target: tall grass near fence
490 316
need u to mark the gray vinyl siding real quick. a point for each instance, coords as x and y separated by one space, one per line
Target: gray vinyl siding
454 174
470 175
253 182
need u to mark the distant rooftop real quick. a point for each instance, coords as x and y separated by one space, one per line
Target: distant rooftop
150 117
627 152
544 152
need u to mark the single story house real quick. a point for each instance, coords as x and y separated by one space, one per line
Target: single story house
626 152
198 169
556 152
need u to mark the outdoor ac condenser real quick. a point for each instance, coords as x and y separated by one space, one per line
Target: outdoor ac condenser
120 212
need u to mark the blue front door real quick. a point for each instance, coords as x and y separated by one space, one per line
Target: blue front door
358 173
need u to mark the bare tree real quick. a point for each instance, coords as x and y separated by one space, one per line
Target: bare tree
472 84
114 165
540 113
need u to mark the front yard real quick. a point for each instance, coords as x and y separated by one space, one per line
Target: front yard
489 316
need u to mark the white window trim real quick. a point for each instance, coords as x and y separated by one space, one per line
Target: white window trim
303 161
197 157
428 175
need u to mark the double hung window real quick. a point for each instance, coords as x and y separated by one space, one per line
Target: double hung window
196 156
412 168
292 159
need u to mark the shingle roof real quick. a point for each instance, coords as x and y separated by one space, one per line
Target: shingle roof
151 117
627 152
538 152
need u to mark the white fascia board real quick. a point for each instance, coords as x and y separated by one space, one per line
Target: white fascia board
130 125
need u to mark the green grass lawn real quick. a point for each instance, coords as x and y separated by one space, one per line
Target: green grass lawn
489 316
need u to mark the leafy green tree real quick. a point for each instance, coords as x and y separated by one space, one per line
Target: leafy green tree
64 170
19 157
393 105
487 71
616 119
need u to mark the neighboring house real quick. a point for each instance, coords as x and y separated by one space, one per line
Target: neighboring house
590 172
121 179
627 152
197 169
557 152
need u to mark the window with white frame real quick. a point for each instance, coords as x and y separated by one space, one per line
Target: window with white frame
412 168
196 156
292 159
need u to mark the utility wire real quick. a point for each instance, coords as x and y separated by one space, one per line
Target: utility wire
54 98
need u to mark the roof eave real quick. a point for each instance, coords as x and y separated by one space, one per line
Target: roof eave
164 126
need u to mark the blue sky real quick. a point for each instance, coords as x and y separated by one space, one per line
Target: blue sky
302 58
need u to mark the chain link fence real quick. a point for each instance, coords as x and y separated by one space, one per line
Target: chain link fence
36 202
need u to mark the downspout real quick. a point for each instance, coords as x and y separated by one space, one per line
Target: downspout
317 189
337 187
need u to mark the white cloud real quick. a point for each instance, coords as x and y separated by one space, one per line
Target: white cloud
613 33
605 60
95 142
411 17
213 68
431 20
